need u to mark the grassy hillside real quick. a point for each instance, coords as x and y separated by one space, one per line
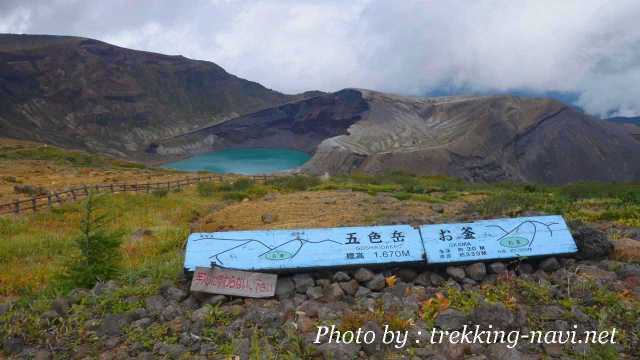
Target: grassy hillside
32 166
37 248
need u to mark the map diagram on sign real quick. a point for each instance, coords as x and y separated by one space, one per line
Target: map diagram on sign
524 234
284 251
497 239
304 248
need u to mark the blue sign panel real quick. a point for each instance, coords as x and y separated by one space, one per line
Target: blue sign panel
496 239
304 248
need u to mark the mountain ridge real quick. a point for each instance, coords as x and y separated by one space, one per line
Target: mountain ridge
477 138
84 93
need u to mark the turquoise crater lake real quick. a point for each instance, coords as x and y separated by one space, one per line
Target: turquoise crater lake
248 161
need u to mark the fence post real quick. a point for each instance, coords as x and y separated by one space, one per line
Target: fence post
33 203
58 198
112 190
168 185
17 206
49 200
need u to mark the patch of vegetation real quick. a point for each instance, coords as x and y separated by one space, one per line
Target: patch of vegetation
99 250
38 247
589 202
30 190
160 192
64 157
237 190
206 189
293 183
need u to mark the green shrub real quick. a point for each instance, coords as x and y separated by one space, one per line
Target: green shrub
510 203
402 195
258 191
206 189
99 250
294 182
160 193
628 193
235 195
242 184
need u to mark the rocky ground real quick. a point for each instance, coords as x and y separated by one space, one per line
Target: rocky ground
143 321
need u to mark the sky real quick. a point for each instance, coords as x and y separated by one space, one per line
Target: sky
587 51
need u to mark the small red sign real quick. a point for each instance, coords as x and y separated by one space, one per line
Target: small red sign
234 282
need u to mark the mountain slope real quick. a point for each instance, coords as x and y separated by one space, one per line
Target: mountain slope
493 138
83 93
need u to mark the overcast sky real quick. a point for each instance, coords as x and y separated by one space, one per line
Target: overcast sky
587 47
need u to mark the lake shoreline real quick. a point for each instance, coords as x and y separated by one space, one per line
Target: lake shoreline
244 161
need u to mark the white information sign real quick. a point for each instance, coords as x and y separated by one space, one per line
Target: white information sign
497 239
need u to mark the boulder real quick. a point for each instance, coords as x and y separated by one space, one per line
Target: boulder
363 275
377 283
450 319
550 264
336 351
174 294
424 279
476 271
376 346
524 268
155 303
214 300
170 312
285 287
497 267
315 292
407 275
496 315
341 276
4 308
362 292
303 282
592 243
201 314
112 325
436 279
103 288
333 292
626 250
350 287
61 306
268 218
457 273
625 271
171 351
594 273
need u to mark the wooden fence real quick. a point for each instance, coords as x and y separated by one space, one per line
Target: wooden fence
38 202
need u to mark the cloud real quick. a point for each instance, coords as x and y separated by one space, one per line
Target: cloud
587 47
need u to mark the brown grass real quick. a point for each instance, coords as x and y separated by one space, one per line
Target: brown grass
319 209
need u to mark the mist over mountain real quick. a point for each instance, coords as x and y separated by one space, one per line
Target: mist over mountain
588 48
